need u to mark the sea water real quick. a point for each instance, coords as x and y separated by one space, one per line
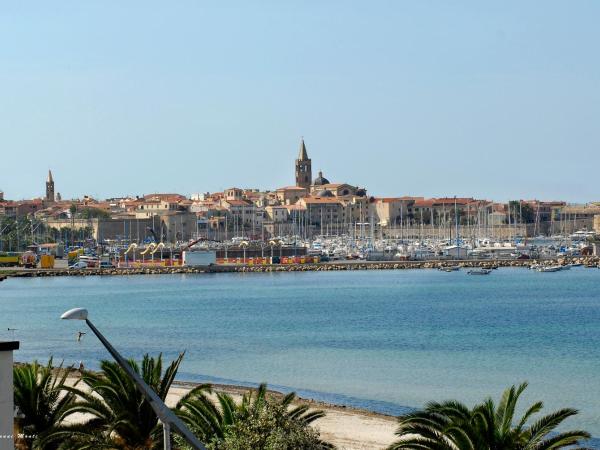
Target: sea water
387 341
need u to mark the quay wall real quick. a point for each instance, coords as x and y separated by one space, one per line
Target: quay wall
590 261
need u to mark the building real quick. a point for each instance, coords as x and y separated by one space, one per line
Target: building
325 215
7 411
303 168
394 211
597 223
178 226
50 198
337 189
277 214
289 195
155 207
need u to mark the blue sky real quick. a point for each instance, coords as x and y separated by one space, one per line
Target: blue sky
496 100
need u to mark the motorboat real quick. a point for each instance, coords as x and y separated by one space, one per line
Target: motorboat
481 271
549 269
450 268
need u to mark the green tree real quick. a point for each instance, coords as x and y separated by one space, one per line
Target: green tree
258 422
521 212
93 213
453 426
41 402
120 416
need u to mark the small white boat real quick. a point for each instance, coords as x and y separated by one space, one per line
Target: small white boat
450 268
481 271
550 269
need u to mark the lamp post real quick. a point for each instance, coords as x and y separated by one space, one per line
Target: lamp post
165 415
244 244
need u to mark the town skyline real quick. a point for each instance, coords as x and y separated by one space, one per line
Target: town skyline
99 196
313 205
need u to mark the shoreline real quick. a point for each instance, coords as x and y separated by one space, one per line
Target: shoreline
347 427
589 261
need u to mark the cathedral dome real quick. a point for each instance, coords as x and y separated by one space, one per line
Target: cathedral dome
324 193
320 180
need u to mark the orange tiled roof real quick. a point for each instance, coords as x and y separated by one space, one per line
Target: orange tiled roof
291 188
317 200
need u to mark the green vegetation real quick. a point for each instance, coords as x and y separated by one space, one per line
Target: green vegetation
117 416
521 212
17 234
451 425
42 402
120 416
258 422
93 213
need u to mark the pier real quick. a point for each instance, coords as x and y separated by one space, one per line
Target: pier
589 261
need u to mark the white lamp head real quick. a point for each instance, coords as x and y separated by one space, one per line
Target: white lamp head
75 314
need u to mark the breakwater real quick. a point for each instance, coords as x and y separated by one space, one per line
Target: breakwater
590 261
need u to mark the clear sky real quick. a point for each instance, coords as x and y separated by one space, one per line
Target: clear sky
495 100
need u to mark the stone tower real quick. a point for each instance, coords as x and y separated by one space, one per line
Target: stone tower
303 168
50 188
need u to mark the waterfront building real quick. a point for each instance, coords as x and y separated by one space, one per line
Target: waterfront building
572 218
325 214
394 211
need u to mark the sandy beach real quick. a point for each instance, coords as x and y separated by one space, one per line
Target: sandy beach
346 428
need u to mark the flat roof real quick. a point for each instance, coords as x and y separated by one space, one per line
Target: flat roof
8 345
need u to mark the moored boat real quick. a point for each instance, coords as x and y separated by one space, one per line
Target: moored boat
481 271
549 269
450 268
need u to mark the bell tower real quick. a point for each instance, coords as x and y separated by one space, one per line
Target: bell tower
50 188
303 168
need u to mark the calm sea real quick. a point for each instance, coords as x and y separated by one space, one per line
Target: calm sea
383 340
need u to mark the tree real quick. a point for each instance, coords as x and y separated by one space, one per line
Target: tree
258 422
40 401
120 416
453 426
521 212
93 213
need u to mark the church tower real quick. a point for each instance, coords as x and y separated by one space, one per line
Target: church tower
303 168
50 188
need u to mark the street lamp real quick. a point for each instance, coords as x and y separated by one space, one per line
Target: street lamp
244 244
165 415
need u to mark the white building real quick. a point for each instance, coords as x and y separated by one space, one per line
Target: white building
7 410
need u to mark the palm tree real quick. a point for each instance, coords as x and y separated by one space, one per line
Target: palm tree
120 417
41 402
453 426
211 422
